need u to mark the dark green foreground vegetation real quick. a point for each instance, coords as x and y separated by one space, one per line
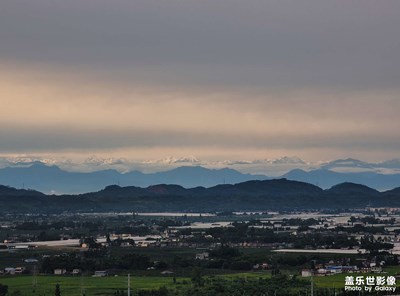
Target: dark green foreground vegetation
244 284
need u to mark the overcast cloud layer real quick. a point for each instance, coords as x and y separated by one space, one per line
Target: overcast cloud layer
216 79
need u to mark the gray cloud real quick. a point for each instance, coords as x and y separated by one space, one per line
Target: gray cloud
58 139
200 75
286 44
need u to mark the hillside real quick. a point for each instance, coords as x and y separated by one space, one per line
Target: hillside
277 194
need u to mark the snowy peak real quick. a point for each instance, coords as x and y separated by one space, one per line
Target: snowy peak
351 165
287 160
349 162
390 164
173 160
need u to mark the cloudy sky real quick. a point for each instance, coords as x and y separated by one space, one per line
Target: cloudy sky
218 79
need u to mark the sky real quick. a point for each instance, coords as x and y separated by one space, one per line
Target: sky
217 79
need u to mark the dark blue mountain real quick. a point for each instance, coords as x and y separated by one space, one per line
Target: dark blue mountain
190 176
348 188
51 179
10 191
326 178
277 194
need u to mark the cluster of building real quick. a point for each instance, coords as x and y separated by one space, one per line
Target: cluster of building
332 269
13 270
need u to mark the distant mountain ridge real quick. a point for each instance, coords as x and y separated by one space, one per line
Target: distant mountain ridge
10 191
276 194
327 178
53 180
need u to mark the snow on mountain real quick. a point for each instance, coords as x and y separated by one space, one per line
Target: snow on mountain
267 166
172 160
282 160
349 162
351 165
392 164
99 161
287 160
270 167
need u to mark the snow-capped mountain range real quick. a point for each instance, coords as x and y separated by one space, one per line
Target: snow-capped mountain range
267 166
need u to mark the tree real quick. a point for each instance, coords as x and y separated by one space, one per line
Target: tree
225 252
373 246
58 291
91 242
163 291
197 278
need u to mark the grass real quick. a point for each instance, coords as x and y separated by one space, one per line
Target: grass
92 286
246 275
71 286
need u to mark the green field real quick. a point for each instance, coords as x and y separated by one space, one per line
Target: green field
72 286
